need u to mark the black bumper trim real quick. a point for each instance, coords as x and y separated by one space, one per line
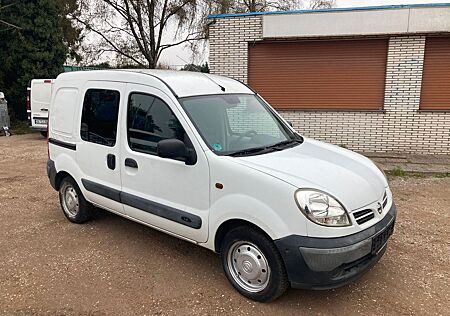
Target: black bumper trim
39 129
302 276
315 242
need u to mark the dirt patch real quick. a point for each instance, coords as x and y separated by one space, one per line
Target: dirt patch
113 266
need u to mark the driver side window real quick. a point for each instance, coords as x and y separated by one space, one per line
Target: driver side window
149 121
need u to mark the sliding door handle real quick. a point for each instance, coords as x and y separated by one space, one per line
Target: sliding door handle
129 162
111 161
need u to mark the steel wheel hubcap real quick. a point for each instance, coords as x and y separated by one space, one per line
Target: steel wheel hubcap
248 266
70 200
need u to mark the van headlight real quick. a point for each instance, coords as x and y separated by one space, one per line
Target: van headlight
321 208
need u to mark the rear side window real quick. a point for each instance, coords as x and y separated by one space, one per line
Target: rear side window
99 117
150 120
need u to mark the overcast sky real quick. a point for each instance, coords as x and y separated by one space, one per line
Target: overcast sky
364 3
178 55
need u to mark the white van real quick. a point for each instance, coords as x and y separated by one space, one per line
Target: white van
38 103
206 159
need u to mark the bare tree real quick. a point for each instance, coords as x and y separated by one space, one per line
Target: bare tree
210 7
137 32
135 29
322 4
266 5
238 6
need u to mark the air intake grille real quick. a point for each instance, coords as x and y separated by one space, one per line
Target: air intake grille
363 216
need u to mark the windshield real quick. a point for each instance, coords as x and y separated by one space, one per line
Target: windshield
238 124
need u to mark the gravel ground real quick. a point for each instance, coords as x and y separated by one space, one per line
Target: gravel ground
114 266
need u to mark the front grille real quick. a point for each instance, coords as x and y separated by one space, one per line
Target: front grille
363 216
366 215
380 240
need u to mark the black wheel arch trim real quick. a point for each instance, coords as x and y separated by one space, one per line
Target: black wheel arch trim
158 209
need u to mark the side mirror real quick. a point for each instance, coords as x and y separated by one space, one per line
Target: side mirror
177 150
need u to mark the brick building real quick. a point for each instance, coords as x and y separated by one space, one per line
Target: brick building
374 79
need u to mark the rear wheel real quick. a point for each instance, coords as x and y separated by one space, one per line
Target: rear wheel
253 264
74 205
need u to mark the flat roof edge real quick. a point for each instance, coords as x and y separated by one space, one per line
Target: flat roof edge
385 7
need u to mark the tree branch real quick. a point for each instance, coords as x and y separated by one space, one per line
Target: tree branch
102 35
7 23
129 19
10 25
187 39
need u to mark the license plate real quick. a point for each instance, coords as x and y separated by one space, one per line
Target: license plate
381 239
40 121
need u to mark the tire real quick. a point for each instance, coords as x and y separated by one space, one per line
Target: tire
253 265
44 134
73 204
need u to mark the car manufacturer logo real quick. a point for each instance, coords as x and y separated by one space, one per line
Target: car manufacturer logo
380 208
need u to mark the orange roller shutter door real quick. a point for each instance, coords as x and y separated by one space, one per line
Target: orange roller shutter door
436 75
337 74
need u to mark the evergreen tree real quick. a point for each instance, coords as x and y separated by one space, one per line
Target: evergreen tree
199 68
37 49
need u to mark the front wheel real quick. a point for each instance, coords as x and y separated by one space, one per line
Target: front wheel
253 264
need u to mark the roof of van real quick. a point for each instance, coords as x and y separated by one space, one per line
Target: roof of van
180 83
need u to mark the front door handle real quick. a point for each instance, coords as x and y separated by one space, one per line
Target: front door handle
129 162
111 161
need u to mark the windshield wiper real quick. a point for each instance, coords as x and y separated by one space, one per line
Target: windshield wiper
285 144
247 152
266 149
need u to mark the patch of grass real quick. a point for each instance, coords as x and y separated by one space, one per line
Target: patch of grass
343 146
443 175
409 174
397 172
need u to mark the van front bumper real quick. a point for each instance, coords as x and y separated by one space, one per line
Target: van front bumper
324 263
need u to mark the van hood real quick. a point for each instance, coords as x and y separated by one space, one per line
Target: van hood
352 178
